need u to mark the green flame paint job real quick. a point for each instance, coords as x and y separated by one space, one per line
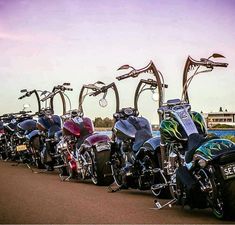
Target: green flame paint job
170 130
214 147
199 122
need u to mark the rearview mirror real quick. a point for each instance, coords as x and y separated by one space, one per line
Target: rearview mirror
124 67
216 55
100 82
23 90
103 102
66 84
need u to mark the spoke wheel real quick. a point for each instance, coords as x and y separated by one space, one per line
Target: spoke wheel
92 167
116 167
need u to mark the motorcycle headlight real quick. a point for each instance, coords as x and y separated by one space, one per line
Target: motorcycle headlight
202 163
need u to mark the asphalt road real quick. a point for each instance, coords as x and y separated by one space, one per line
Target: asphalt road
26 197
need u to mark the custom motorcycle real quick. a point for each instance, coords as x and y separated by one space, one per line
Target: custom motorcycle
43 132
157 87
11 140
196 167
85 152
207 177
133 166
50 129
3 140
29 132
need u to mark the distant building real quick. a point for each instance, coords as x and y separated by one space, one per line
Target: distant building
222 117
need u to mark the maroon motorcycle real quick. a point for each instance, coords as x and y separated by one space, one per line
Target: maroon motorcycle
85 152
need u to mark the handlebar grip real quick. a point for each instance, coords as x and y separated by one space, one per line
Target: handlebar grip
68 89
123 76
23 96
210 64
27 94
218 64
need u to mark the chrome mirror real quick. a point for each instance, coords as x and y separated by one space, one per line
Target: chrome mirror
103 102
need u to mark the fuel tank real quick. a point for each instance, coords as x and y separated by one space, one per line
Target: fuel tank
172 131
127 129
78 127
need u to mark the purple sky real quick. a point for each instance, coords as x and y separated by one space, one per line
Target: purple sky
44 43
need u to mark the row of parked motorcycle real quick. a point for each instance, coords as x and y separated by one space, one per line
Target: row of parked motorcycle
185 164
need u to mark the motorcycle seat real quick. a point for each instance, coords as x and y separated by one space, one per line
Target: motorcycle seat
141 137
194 141
80 141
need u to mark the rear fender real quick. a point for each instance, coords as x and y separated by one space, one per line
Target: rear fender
153 144
214 149
100 141
33 134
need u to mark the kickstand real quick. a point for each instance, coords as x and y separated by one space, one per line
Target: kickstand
160 206
30 167
112 190
65 178
41 171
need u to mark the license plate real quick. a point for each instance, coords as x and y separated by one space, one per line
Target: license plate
20 148
228 171
102 147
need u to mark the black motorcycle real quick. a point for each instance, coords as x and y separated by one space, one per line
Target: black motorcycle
13 145
132 165
44 131
206 178
50 127
3 140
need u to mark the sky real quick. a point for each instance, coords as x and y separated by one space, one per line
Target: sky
45 43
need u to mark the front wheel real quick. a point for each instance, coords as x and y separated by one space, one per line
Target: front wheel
35 151
117 164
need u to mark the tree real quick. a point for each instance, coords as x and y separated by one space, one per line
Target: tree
98 122
106 122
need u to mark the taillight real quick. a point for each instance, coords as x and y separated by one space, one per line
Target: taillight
69 157
73 165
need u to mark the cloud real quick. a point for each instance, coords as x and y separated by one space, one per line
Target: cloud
14 37
45 37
